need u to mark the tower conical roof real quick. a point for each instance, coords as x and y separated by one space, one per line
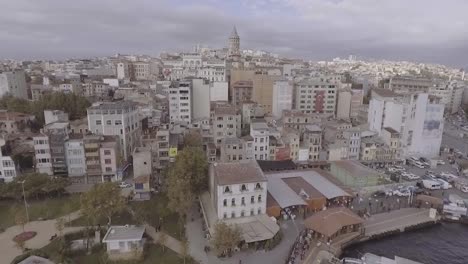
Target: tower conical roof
234 33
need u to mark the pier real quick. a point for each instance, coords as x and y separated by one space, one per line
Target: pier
396 221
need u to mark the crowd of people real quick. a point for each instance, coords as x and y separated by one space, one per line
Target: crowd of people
300 247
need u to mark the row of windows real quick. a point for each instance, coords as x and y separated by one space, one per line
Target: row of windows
242 214
233 201
109 122
8 163
244 188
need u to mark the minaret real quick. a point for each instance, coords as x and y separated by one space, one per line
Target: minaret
234 45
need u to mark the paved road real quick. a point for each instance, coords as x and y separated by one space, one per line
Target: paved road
394 220
172 243
44 229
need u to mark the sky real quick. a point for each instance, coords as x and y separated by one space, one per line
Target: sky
416 30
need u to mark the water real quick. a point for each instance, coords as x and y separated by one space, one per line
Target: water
441 244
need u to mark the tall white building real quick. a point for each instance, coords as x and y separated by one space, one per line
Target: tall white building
260 133
282 97
180 102
219 91
238 189
42 154
13 83
117 119
75 156
450 93
7 166
122 69
200 99
419 118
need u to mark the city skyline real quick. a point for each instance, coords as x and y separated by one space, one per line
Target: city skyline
315 29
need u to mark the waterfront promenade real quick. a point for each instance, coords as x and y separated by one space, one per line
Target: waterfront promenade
396 220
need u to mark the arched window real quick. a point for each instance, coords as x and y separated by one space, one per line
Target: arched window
225 215
260 198
259 211
258 186
233 202
227 189
225 202
243 201
243 187
242 213
252 199
252 211
233 214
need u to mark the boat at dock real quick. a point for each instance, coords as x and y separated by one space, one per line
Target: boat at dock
369 258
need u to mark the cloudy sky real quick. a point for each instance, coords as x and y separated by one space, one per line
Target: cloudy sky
418 30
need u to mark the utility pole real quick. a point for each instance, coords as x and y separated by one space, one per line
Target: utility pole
25 203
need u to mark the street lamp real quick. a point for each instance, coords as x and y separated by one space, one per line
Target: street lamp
25 203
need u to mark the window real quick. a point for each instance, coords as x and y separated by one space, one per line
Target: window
226 190
225 215
252 199
108 169
243 188
233 202
259 198
259 210
109 122
251 211
258 186
107 152
118 122
242 201
107 161
98 122
233 214
139 186
225 202
242 213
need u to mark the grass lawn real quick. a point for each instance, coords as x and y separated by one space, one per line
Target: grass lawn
153 255
45 209
151 211
122 218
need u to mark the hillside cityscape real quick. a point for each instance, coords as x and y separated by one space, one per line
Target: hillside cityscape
229 155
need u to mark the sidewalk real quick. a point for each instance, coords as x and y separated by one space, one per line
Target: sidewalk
44 230
172 243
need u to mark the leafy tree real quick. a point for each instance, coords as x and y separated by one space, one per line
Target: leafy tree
20 217
226 238
103 200
185 249
193 139
20 244
187 178
162 240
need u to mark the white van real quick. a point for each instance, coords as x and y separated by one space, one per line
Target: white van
431 185
419 164
444 184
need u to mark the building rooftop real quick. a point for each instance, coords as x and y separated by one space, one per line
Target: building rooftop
391 130
225 110
124 233
236 173
113 106
330 221
385 92
259 126
36 260
354 168
5 115
276 165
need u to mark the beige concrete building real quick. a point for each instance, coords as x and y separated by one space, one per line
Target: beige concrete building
242 92
226 122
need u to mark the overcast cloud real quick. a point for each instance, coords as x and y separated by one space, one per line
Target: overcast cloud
418 30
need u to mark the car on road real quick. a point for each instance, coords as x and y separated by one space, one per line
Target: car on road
124 185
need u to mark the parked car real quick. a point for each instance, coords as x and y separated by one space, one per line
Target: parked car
402 192
440 162
379 194
125 185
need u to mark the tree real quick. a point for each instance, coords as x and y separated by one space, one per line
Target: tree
226 238
193 139
187 178
185 249
162 240
103 200
20 244
60 225
20 217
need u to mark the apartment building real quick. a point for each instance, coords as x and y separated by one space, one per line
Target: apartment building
234 149
408 84
313 140
317 95
14 122
242 92
75 156
13 83
450 93
226 122
260 133
7 166
103 159
282 97
419 118
180 102
117 119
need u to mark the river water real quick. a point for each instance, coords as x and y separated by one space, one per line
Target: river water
446 243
